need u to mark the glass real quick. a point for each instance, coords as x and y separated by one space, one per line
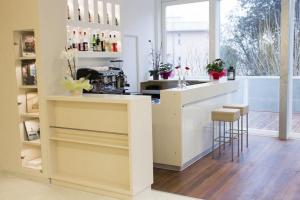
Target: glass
296 78
250 41
187 36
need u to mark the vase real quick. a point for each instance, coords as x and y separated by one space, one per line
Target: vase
156 77
76 92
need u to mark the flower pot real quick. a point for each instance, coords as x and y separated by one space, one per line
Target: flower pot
76 92
165 75
155 76
217 75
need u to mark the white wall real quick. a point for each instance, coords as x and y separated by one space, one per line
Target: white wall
138 20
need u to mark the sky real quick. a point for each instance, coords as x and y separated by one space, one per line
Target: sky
198 12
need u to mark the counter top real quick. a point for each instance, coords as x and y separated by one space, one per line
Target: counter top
199 92
101 98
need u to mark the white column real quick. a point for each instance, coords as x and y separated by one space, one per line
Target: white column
214 29
286 67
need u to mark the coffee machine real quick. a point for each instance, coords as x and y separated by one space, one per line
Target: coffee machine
104 80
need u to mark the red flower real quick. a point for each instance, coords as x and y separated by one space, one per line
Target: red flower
178 67
187 68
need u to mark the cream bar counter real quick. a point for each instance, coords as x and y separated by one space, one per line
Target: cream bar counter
182 125
101 143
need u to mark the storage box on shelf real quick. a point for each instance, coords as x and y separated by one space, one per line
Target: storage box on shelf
25 59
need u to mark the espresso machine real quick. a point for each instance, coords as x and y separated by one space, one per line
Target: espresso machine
104 80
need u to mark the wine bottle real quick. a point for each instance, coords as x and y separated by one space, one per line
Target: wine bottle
98 48
74 42
79 14
102 42
94 42
115 44
85 42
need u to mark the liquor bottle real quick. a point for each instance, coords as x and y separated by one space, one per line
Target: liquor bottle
107 19
117 21
98 47
80 44
90 16
114 44
94 42
99 19
85 42
102 42
74 41
79 14
110 42
68 12
70 41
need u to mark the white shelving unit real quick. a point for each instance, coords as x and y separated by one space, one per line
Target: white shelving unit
96 17
30 152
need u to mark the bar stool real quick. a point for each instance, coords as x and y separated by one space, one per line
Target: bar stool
244 109
230 116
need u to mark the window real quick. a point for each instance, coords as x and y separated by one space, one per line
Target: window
250 41
187 36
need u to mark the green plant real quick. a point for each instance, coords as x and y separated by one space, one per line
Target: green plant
165 68
217 65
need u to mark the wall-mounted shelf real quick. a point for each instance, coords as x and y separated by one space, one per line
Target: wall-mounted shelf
27 58
91 25
28 87
91 54
30 115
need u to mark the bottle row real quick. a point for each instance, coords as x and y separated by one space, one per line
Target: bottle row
94 11
94 41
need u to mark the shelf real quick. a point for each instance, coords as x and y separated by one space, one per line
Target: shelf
36 143
28 87
90 25
27 58
91 54
30 115
99 144
117 188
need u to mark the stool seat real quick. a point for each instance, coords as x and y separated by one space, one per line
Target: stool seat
244 109
225 115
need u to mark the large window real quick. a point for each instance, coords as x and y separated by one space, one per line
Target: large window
187 35
296 80
250 41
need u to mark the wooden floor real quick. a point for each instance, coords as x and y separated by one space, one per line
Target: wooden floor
268 170
270 121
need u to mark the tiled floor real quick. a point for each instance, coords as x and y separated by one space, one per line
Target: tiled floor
13 188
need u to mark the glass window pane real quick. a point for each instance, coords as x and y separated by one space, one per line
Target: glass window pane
187 36
296 80
250 41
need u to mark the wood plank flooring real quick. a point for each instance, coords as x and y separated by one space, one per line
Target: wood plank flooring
268 170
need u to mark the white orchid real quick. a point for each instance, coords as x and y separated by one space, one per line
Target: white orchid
70 83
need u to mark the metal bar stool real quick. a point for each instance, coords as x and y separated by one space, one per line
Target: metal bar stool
244 110
230 116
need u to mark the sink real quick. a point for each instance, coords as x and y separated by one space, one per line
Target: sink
192 82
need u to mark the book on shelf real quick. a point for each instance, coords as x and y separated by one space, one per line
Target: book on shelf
28 44
32 130
28 73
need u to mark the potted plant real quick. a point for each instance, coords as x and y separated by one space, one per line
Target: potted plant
165 70
70 83
216 69
156 57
